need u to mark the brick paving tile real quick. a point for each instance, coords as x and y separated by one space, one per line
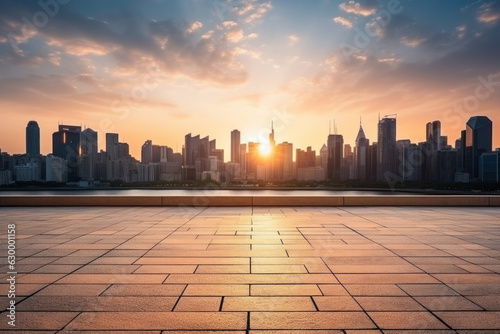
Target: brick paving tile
159 320
428 290
471 320
144 290
217 290
374 290
198 304
268 304
40 320
447 303
104 304
406 320
285 290
336 303
310 320
73 290
388 304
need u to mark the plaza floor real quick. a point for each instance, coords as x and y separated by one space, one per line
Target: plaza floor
320 270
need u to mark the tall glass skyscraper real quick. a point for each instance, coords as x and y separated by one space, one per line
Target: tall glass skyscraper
478 140
235 146
33 138
387 150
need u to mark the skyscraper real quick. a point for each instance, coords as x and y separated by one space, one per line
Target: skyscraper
147 152
88 142
235 146
66 145
88 159
361 154
387 151
112 145
335 146
478 140
433 135
33 139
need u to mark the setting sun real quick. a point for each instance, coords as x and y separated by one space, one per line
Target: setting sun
264 149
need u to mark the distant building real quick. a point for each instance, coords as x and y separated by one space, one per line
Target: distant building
306 158
361 154
387 151
372 163
147 152
66 145
284 162
478 140
335 147
56 169
243 159
447 165
156 154
489 167
316 173
87 167
219 153
32 138
323 157
112 145
235 146
166 154
123 150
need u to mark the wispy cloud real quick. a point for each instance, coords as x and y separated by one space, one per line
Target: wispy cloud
363 8
343 21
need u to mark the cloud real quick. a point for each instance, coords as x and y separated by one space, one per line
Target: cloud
129 41
461 30
252 10
363 8
343 21
489 13
194 27
234 33
293 39
432 86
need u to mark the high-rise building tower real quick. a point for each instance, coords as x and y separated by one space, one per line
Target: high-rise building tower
361 154
66 145
147 152
335 146
88 142
88 158
387 150
478 140
112 145
235 146
33 139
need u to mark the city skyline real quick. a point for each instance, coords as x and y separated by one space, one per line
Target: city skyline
242 64
103 143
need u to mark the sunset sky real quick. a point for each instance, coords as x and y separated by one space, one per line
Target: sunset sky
158 70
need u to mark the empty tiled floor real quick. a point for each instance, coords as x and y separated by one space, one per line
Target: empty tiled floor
255 270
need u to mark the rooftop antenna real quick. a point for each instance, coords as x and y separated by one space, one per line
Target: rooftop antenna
329 127
334 127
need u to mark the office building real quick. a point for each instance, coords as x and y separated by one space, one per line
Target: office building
335 145
32 138
66 145
235 146
387 151
112 145
478 140
147 152
361 154
489 167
